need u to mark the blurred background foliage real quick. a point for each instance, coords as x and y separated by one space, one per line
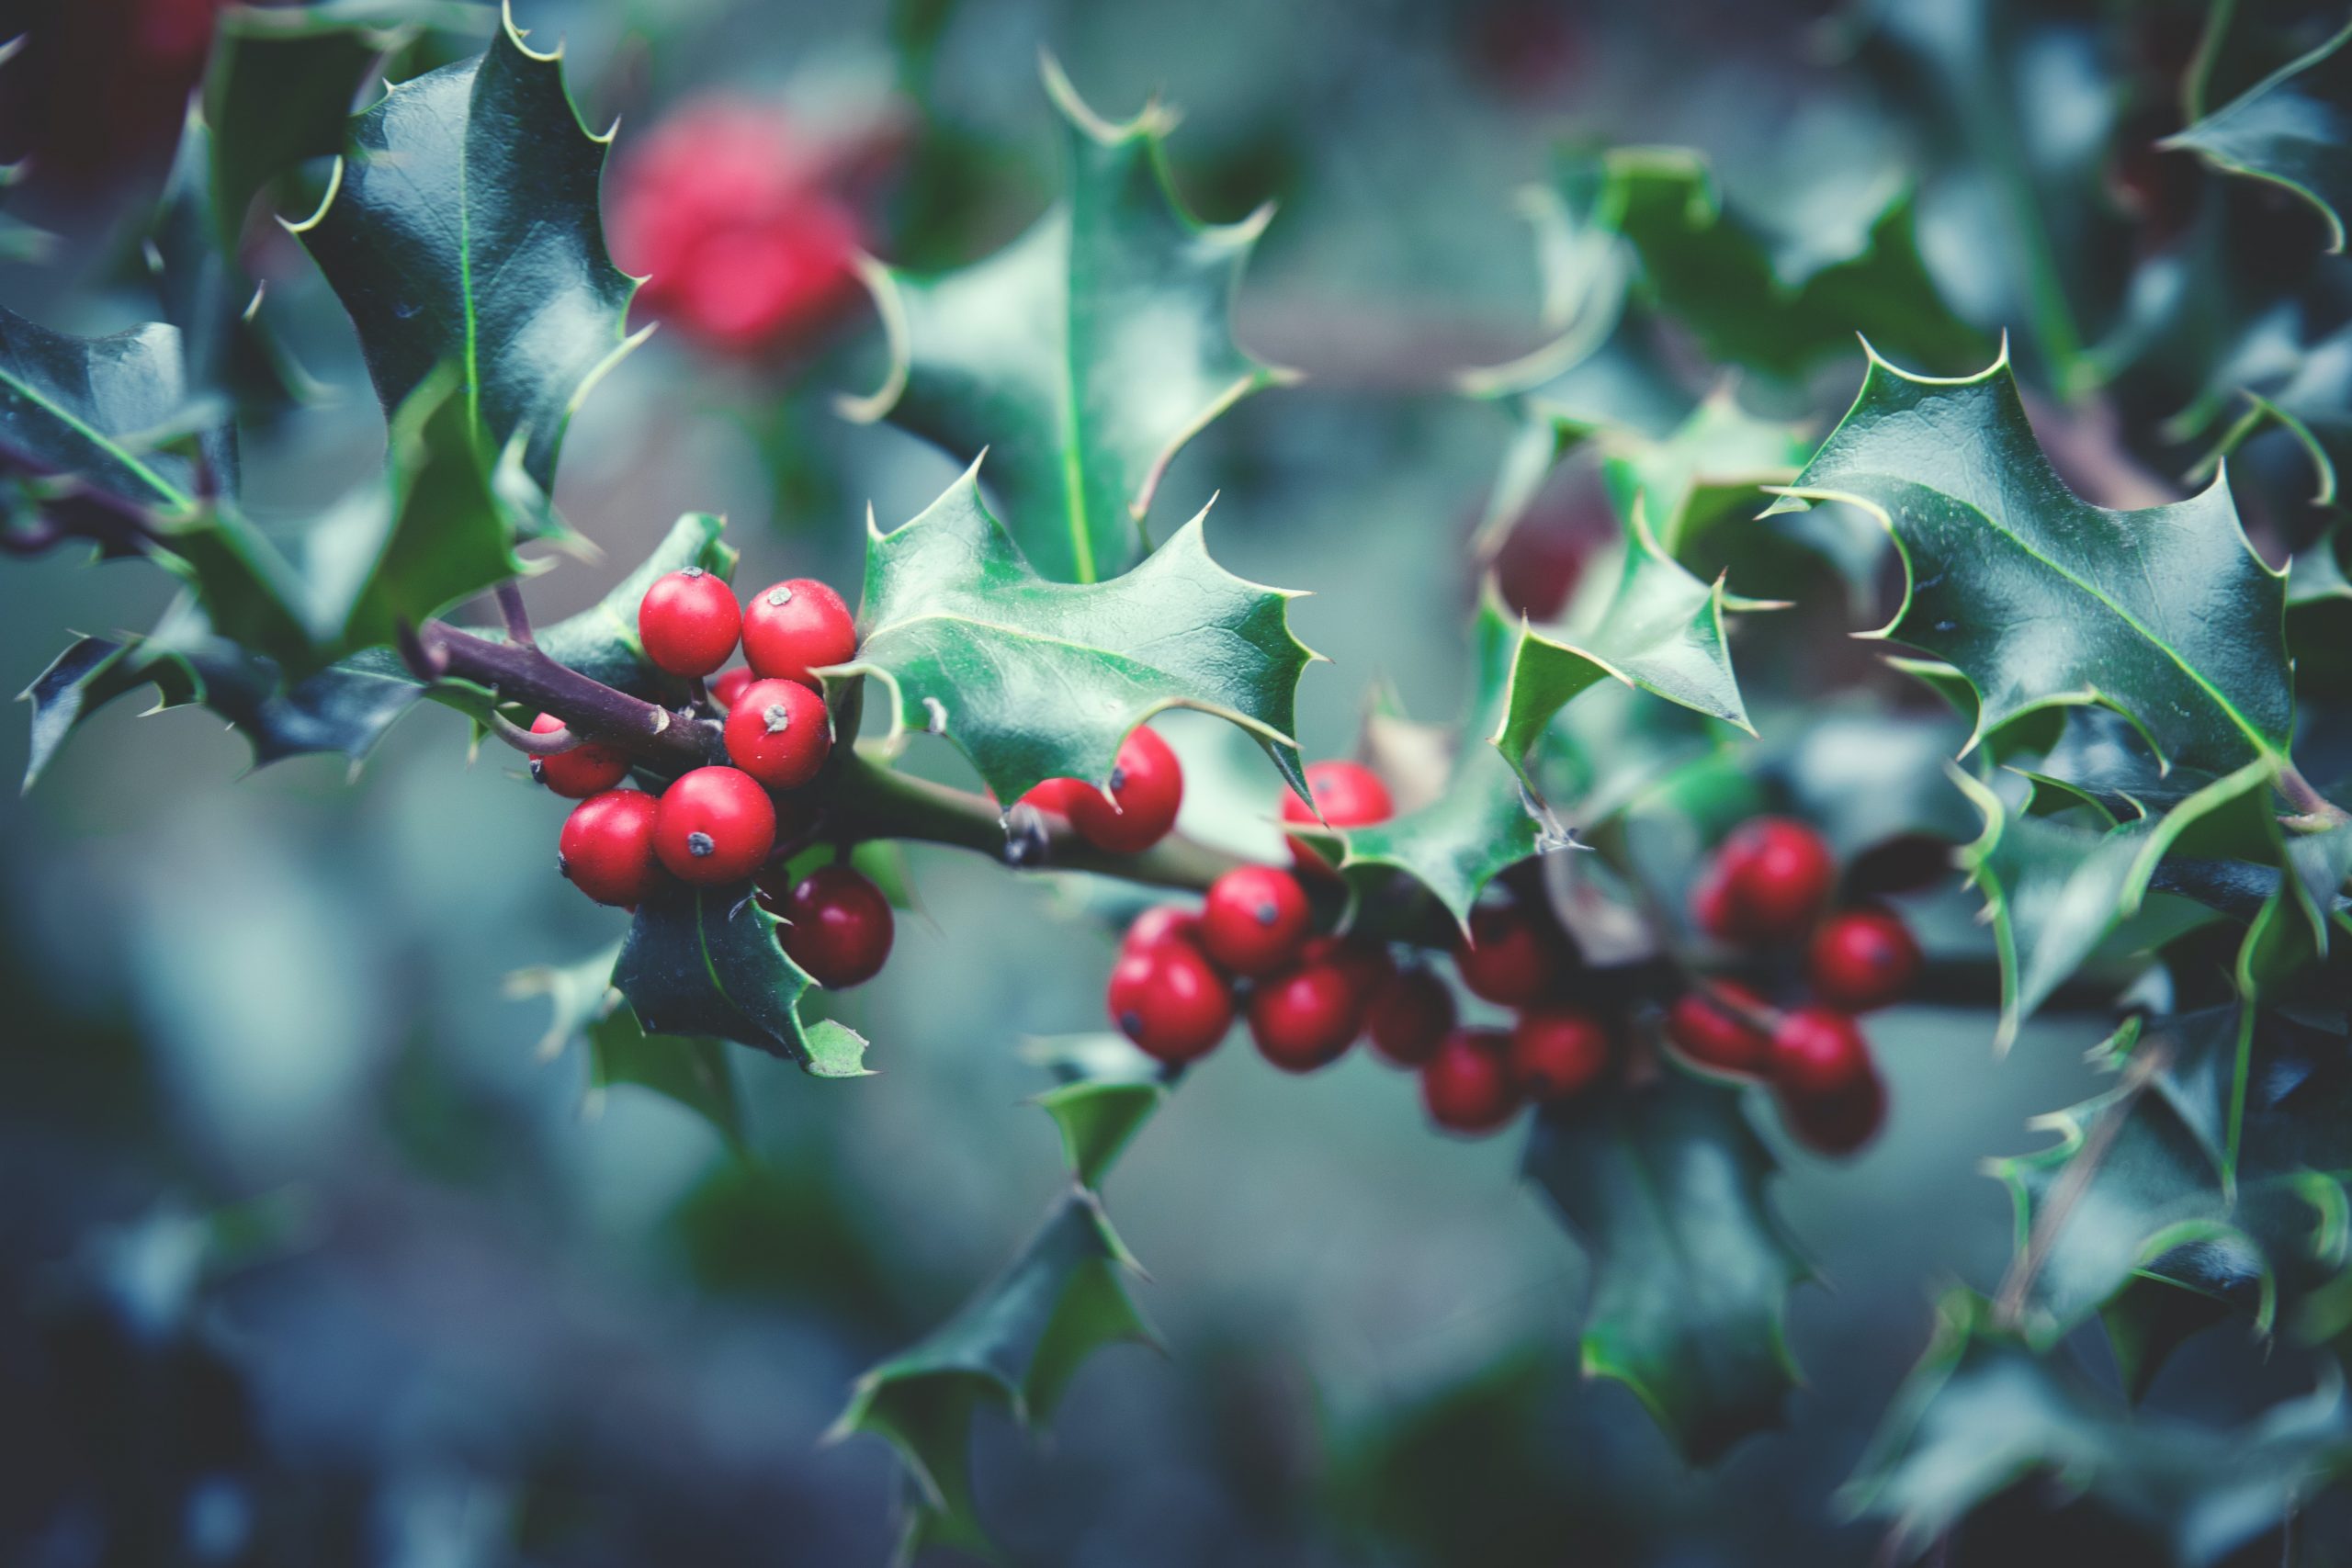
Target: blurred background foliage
309 1256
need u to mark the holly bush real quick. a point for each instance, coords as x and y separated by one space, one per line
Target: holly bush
1904 616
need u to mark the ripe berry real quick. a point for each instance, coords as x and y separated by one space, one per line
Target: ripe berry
1349 795
1255 920
1054 795
606 846
1712 1036
585 770
688 622
1816 1051
1408 1016
1162 922
838 925
1711 906
1467 1085
1170 1001
727 685
1556 1052
779 733
1862 959
1838 1123
716 825
1509 956
1307 1017
795 627
1139 808
1777 873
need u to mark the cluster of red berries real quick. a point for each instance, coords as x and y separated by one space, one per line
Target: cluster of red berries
721 824
1252 950
731 214
1770 888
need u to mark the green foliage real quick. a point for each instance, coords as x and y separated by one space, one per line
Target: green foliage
705 961
2164 614
1083 355
1982 1412
462 228
589 1009
2293 128
1020 1340
1663 1184
97 410
1035 680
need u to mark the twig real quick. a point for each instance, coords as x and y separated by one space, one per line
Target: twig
589 709
517 618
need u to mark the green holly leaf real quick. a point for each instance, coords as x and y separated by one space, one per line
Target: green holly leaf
1660 628
2038 598
1083 355
2216 1165
1708 469
705 961
1035 680
1019 1341
601 642
1750 298
1482 820
1981 1412
97 410
462 228
2291 128
590 1010
1663 1185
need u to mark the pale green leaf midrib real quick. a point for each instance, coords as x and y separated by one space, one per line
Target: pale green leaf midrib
100 439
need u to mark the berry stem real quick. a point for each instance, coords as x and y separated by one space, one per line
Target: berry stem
517 618
519 672
532 742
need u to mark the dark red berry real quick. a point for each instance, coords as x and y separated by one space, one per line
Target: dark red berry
1054 795
1712 1036
727 685
688 622
1467 1085
1410 1014
1255 920
837 927
716 825
1777 874
1711 906
587 769
1838 1123
1307 1017
1139 808
1816 1051
1862 959
606 846
794 627
1349 796
779 733
1556 1052
1162 922
1509 956
1168 999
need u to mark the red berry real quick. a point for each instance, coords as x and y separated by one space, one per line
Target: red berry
1840 1121
1409 1015
779 733
1467 1084
585 770
716 825
795 626
1135 812
1510 957
1816 1051
1711 906
688 622
1862 959
1349 795
1712 1036
606 846
1054 795
1556 1052
727 685
1307 1017
837 927
1162 922
1170 1001
1777 873
1255 920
